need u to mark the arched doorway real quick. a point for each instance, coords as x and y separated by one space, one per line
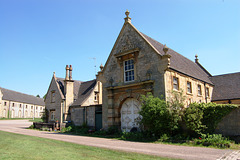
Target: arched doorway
130 114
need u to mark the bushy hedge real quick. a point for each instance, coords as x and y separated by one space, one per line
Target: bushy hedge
160 117
155 115
204 117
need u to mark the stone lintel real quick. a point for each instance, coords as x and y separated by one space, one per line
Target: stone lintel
131 51
130 85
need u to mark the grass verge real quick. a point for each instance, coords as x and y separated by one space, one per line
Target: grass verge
16 146
30 119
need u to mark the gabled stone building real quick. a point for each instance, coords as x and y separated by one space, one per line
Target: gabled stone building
139 64
71 100
19 105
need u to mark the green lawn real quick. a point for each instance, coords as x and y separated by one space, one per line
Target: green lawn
30 119
16 146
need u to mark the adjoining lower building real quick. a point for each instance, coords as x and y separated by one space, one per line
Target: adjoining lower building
226 88
69 100
19 105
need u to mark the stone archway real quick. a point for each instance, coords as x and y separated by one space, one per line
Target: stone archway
130 114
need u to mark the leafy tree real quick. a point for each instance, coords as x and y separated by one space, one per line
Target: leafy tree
176 109
38 96
155 115
193 120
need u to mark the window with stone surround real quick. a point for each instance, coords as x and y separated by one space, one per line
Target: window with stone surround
207 92
175 83
129 70
189 87
52 113
5 103
199 90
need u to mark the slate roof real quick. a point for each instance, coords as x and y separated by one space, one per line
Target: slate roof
84 92
180 63
11 95
76 85
227 86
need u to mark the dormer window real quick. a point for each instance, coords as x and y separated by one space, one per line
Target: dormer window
129 70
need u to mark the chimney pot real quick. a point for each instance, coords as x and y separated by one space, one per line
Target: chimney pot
67 71
70 72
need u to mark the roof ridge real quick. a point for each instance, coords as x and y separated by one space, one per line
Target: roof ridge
226 74
64 79
21 93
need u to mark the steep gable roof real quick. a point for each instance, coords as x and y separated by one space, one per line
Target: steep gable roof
11 95
180 63
177 61
227 86
76 85
86 88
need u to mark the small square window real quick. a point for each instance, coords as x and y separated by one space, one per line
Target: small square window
175 83
5 103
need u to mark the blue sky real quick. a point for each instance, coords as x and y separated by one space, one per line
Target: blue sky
39 37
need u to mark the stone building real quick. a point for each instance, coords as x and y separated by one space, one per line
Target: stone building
139 64
72 100
19 105
226 89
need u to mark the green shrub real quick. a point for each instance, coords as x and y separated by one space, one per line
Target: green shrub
113 130
193 120
164 138
67 129
204 117
31 127
155 115
216 140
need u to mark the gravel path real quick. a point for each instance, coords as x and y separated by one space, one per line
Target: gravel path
163 150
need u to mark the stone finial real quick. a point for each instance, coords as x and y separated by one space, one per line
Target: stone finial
165 49
70 72
101 67
196 58
127 19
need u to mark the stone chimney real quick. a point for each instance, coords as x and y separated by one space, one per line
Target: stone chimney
68 92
